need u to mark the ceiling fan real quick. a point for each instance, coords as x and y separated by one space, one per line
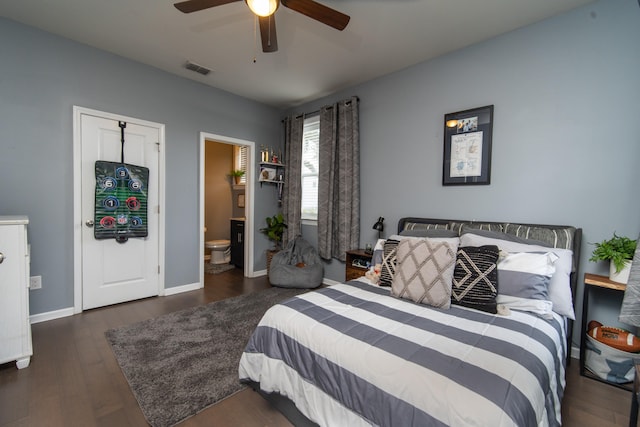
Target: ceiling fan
265 10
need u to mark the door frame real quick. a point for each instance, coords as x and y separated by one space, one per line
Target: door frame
249 191
77 196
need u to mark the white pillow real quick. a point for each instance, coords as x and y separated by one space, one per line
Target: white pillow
560 284
526 274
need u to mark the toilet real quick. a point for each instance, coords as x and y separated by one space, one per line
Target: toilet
220 251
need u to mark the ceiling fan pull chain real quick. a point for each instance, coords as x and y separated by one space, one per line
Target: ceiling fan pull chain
255 38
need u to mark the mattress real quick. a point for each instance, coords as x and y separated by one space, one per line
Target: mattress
350 354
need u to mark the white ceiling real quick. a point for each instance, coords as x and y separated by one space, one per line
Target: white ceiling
313 59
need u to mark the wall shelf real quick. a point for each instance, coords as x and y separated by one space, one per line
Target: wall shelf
272 173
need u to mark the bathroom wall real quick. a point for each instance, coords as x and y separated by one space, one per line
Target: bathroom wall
218 206
238 211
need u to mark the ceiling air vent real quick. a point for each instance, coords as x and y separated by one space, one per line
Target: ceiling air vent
197 68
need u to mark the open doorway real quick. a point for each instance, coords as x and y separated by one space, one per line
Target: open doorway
226 208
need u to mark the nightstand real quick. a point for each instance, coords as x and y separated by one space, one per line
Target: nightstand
633 416
595 281
357 264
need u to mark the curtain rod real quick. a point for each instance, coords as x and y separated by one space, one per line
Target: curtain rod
328 107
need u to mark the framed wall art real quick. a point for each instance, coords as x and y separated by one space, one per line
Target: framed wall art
467 147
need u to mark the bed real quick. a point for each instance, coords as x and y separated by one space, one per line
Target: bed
362 354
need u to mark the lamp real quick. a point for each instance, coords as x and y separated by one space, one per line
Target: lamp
263 7
379 225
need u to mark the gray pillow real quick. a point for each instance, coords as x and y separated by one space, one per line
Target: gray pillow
433 232
526 274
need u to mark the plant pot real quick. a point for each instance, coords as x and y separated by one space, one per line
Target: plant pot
623 275
270 254
237 179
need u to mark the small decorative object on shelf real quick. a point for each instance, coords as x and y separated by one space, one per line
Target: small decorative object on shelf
264 153
271 172
268 155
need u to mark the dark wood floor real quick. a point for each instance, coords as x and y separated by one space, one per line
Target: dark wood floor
74 379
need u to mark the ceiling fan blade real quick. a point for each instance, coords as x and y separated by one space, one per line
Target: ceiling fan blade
319 12
268 33
196 5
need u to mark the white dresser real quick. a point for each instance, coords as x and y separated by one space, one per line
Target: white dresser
15 329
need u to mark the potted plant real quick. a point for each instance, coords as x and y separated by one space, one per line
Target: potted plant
619 251
237 174
274 231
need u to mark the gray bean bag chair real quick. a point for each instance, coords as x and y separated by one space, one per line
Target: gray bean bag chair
297 266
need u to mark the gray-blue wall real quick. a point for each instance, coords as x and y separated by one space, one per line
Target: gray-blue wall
41 78
565 146
566 143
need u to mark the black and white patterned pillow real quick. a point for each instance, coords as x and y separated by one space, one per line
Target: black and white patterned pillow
424 226
388 262
457 226
475 278
555 237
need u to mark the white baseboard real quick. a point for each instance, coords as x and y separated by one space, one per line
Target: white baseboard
51 315
184 288
330 282
65 312
259 273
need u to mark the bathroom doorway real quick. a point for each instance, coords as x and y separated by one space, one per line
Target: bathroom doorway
225 204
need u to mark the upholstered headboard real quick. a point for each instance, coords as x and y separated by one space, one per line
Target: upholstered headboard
556 236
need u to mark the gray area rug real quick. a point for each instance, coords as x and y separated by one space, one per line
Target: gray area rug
180 363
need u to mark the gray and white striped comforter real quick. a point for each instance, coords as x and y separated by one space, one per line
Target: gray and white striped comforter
351 355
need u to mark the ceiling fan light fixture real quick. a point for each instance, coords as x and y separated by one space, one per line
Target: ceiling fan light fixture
263 8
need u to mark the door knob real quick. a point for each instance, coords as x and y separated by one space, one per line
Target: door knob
89 223
1 257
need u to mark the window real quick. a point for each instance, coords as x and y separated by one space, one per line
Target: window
309 175
240 161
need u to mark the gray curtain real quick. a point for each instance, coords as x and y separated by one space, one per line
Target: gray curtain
292 190
339 180
630 310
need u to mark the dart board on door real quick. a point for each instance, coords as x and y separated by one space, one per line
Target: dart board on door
121 201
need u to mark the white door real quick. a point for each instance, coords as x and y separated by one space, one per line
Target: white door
114 272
